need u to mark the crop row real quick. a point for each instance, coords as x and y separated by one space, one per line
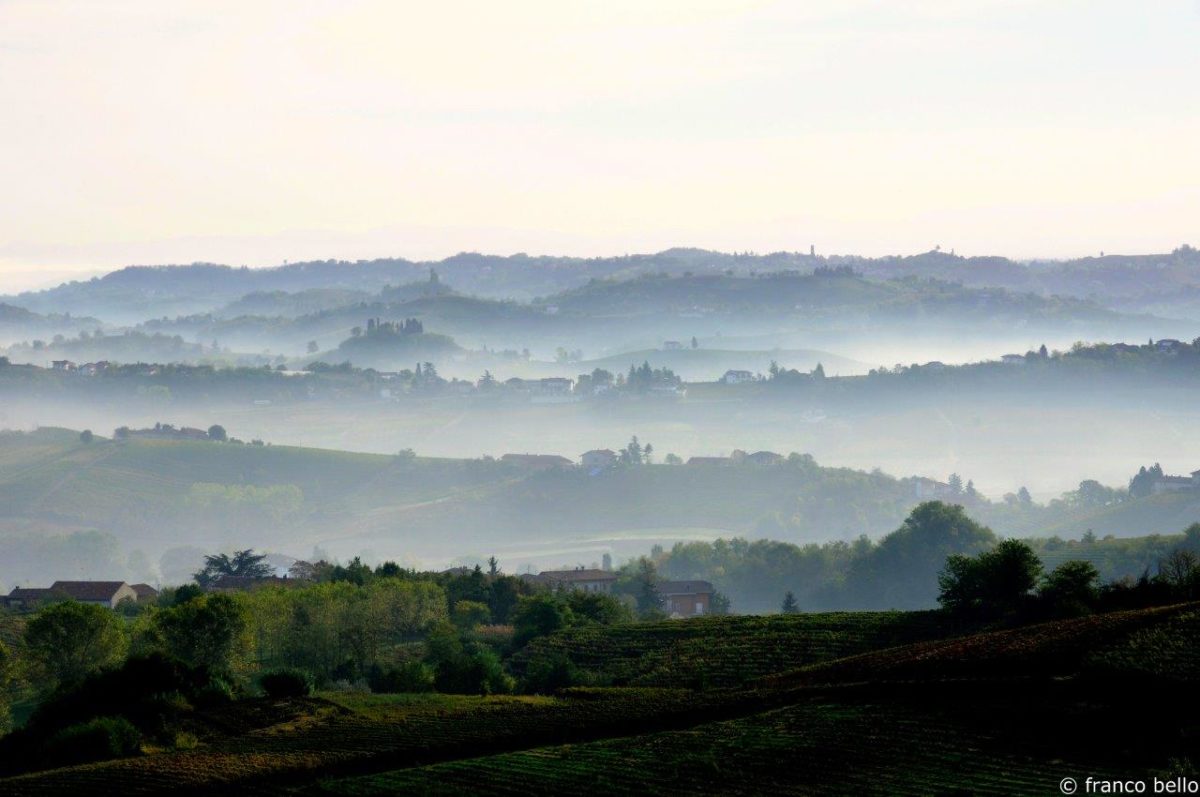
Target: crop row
728 651
408 735
802 749
1169 650
1046 649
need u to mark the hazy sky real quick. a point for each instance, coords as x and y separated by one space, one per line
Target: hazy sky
257 132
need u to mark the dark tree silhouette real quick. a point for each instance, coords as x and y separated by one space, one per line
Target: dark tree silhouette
243 563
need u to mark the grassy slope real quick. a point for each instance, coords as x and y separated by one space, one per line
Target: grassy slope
133 486
51 475
48 479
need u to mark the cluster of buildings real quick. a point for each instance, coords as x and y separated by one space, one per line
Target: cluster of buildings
164 431
679 598
1175 484
601 458
739 457
87 369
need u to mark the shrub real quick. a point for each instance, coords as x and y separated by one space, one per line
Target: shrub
549 673
539 615
216 691
96 740
413 676
286 683
478 672
147 690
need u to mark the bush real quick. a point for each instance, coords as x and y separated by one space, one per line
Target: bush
478 672
413 676
215 692
96 740
549 673
286 683
149 691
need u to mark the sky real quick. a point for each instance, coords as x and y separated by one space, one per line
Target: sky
255 133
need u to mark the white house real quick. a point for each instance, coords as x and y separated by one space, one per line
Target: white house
598 458
737 377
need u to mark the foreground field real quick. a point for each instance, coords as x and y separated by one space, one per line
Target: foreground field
1006 712
813 748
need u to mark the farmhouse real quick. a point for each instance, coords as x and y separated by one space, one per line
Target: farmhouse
101 593
1013 359
550 386
709 461
598 458
757 458
26 598
930 489
582 579
538 461
686 598
145 592
737 377
1175 484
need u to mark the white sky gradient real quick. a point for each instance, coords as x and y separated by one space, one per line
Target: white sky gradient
257 132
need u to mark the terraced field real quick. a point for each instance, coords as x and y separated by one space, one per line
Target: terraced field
729 651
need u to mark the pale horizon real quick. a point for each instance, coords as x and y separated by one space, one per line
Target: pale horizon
149 133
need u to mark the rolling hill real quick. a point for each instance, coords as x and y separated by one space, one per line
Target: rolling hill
151 496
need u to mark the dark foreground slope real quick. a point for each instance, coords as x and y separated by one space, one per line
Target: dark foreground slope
1108 696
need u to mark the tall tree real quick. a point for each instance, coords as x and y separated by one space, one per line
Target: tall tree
789 604
649 600
243 563
991 584
205 631
67 641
